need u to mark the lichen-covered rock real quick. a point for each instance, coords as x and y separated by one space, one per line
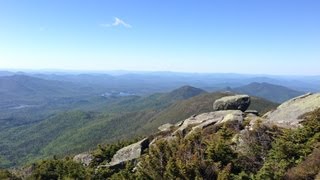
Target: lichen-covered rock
234 116
289 114
130 152
237 102
83 158
178 124
205 117
166 127
217 118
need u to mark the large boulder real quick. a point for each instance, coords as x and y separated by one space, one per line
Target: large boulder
83 158
289 114
237 102
129 153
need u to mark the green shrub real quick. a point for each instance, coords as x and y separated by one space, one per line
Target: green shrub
291 148
5 174
59 169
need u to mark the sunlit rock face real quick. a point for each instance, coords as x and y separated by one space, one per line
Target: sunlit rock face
289 114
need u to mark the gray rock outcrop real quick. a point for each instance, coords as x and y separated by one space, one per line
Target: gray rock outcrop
201 118
217 118
128 153
255 112
289 114
83 158
237 102
205 120
165 127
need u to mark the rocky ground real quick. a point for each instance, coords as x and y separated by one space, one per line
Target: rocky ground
230 109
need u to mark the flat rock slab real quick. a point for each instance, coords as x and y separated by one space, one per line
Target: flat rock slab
288 114
207 119
220 117
130 152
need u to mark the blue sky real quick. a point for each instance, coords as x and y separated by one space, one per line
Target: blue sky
248 36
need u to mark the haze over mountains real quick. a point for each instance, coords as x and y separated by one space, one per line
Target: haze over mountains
171 80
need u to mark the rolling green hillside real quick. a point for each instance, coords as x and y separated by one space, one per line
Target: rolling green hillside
78 129
25 99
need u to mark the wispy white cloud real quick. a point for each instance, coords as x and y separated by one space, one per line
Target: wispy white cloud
117 22
42 28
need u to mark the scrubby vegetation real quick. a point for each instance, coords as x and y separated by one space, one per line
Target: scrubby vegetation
272 153
66 168
59 169
291 148
194 157
5 174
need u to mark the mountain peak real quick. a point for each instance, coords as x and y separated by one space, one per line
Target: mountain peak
275 93
185 92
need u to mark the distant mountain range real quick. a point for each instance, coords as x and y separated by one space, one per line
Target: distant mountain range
268 91
146 83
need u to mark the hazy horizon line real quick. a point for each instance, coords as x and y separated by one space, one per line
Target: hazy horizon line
77 71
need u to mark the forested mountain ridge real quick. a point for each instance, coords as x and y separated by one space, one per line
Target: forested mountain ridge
275 93
24 87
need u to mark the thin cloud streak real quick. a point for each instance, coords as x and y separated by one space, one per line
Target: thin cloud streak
117 22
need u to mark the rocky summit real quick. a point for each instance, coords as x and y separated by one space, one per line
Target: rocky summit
229 109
